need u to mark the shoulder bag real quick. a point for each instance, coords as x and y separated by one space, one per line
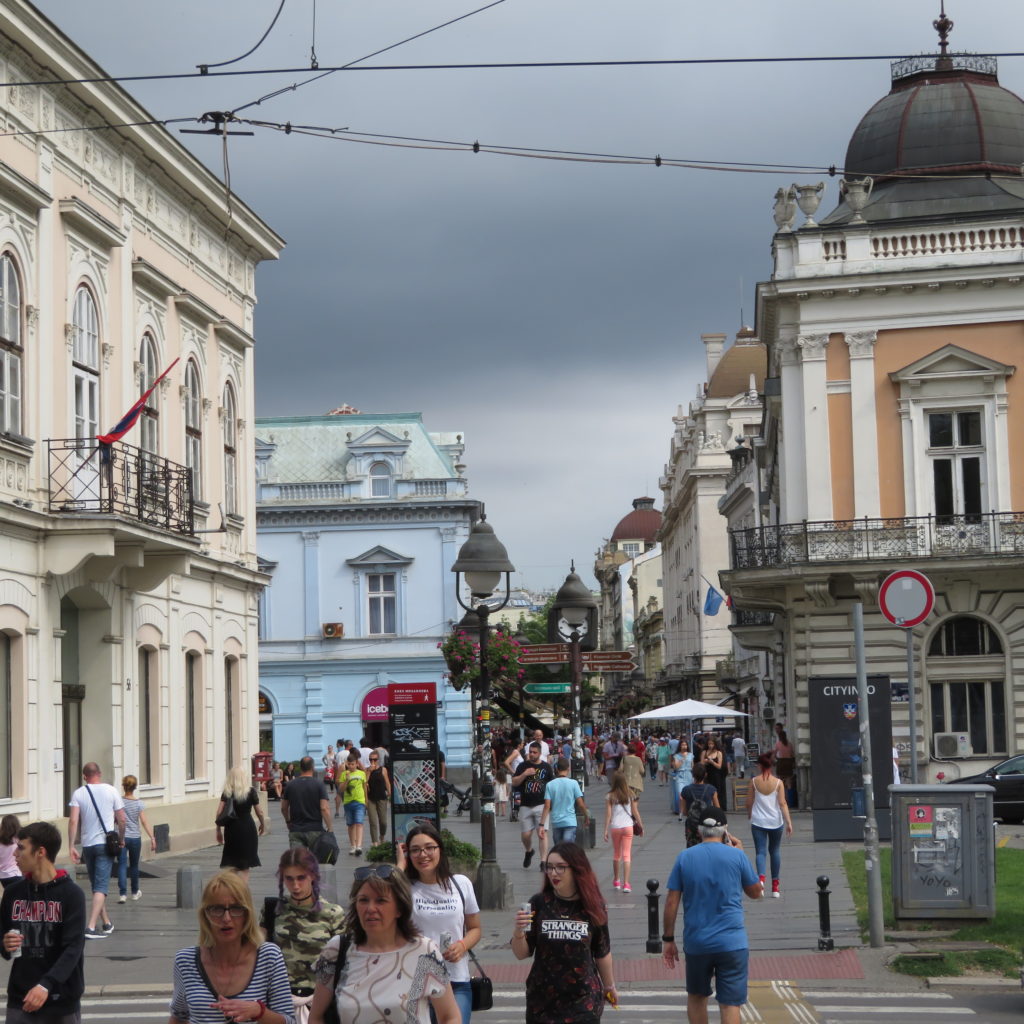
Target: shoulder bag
228 814
331 1013
325 849
111 837
481 988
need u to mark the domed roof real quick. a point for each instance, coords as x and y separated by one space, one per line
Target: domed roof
640 524
947 140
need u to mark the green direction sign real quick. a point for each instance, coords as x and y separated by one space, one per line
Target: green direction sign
547 687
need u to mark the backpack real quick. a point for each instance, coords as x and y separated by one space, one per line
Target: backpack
696 812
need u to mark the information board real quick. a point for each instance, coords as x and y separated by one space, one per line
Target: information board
412 721
835 740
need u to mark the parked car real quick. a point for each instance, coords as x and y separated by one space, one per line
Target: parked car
1007 779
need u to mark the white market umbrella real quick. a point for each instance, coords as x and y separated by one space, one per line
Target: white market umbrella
691 709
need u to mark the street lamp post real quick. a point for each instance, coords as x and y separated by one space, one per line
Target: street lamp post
575 609
482 560
470 625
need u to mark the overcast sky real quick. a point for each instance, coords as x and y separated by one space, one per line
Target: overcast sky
550 310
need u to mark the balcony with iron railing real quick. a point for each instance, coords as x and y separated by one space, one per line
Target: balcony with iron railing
997 534
86 478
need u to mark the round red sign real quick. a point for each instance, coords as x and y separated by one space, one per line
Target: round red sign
906 597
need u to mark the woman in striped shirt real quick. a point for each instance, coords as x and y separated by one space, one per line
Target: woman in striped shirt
232 975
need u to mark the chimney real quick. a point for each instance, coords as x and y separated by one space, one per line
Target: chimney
713 345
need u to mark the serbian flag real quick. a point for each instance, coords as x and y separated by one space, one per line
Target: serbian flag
128 420
714 601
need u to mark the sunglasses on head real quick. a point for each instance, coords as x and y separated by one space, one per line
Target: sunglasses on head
373 871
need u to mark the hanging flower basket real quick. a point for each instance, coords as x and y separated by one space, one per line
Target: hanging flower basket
461 652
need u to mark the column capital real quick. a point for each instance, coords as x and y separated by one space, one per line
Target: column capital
861 343
812 346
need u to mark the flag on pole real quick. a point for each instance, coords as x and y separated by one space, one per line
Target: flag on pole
713 601
128 420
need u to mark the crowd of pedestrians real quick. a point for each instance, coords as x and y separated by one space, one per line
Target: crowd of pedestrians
402 946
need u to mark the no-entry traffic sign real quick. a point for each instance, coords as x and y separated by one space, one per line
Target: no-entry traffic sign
906 597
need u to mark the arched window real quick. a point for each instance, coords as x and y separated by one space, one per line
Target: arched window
380 480
194 428
149 423
85 358
972 701
10 347
230 451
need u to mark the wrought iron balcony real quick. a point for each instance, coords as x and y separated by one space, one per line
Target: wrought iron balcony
87 478
856 540
744 617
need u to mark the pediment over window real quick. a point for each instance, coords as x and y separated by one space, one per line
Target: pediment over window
951 362
379 555
378 440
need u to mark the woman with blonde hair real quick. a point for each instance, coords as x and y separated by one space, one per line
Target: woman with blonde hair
232 975
131 851
621 810
235 829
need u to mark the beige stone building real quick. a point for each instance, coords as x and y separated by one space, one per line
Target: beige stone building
895 417
126 626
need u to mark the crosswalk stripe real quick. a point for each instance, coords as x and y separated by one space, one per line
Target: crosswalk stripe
907 1010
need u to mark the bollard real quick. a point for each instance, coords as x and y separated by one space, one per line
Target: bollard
653 917
592 833
825 942
190 887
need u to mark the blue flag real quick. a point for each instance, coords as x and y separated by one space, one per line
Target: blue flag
713 601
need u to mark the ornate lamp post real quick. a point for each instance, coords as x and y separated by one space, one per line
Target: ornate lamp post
574 611
470 625
482 560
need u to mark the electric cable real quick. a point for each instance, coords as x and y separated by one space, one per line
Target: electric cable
204 68
419 35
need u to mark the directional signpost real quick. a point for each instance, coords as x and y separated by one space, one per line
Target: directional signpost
558 654
537 655
608 661
547 687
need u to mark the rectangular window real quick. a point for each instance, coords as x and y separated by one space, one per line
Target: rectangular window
975 708
631 549
229 712
382 600
956 447
6 732
191 714
145 715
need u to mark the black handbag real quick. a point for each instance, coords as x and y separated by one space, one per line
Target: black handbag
325 849
481 988
331 1013
111 837
228 814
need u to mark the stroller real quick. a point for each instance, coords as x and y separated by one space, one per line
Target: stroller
462 795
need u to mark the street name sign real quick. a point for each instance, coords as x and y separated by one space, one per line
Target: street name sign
608 661
547 687
543 654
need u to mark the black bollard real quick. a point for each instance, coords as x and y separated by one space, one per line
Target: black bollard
653 915
825 942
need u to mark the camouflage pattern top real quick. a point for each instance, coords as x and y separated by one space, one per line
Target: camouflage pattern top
302 933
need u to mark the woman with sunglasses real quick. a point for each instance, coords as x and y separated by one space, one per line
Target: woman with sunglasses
444 906
566 933
232 975
378 797
300 922
390 971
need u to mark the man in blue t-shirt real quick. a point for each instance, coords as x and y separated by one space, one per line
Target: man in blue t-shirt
711 879
562 799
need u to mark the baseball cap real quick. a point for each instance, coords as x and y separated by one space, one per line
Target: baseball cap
713 817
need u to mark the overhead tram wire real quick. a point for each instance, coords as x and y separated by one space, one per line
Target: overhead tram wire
495 66
376 53
204 68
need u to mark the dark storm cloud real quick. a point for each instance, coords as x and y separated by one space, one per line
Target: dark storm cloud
551 311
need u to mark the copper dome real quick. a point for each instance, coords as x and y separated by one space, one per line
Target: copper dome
640 524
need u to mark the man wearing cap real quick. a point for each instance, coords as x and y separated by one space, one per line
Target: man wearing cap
711 879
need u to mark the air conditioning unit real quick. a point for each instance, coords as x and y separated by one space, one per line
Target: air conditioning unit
952 744
768 712
333 630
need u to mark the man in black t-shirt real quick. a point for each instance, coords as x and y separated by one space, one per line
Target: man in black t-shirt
305 807
533 778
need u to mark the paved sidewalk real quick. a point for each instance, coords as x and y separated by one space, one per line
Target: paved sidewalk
138 957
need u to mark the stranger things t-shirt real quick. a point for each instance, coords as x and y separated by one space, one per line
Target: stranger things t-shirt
564 986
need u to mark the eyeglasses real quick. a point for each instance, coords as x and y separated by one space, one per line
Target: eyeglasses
373 871
423 851
235 910
555 869
372 759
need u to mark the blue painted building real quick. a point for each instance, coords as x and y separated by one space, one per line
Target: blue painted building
359 520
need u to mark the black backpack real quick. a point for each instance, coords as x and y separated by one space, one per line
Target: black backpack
698 808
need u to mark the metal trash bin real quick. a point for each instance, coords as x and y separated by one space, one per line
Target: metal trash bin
943 852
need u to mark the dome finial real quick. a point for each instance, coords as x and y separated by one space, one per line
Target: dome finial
943 26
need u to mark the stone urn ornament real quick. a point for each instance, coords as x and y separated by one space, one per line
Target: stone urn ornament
785 209
808 198
856 192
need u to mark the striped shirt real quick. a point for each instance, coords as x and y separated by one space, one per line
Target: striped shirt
193 991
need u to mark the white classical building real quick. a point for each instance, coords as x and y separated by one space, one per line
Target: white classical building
125 629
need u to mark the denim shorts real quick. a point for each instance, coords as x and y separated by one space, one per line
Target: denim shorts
729 969
355 813
99 864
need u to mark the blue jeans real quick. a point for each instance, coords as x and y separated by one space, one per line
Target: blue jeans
463 999
769 839
128 863
98 863
677 787
563 834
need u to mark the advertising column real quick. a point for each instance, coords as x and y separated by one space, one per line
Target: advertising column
412 718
